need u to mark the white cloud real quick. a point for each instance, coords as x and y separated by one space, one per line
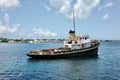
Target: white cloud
58 3
82 8
109 4
65 8
47 7
6 18
9 4
106 16
10 31
5 29
43 33
100 7
62 6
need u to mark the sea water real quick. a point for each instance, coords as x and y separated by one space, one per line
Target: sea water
16 65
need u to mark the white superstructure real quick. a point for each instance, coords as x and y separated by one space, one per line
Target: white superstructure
77 42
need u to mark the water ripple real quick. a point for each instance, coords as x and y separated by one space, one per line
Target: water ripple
15 65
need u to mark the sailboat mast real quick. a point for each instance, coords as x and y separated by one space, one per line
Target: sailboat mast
73 21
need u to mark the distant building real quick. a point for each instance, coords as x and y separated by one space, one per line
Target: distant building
11 41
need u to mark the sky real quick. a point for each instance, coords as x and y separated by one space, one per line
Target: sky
52 19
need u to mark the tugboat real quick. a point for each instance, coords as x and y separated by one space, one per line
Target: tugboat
76 46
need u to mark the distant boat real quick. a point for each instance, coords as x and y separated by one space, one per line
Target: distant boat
76 46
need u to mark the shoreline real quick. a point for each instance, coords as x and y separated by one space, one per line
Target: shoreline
48 41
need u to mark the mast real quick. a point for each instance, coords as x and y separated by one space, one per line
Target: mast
72 35
73 21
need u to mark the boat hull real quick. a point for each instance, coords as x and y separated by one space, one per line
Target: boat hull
92 51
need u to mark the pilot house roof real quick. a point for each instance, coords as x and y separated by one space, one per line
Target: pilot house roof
71 31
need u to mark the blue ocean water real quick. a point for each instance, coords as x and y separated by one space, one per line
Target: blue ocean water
15 65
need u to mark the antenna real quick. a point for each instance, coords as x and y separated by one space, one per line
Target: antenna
73 21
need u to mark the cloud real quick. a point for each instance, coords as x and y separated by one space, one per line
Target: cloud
43 33
62 6
109 4
6 18
100 7
8 4
47 7
82 8
58 3
65 8
10 31
7 30
106 16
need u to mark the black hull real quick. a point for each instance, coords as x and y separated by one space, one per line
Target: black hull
92 51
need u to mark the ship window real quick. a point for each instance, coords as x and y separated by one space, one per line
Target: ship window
70 42
75 42
66 46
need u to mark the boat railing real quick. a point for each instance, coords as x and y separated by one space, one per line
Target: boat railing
95 42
